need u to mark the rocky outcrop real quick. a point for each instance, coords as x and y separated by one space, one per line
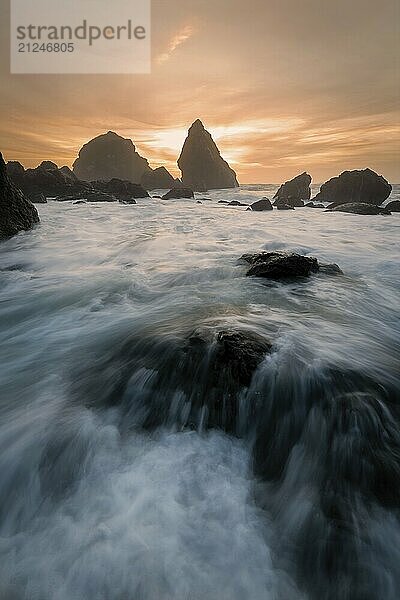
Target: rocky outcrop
159 179
359 208
17 213
178 193
88 196
263 204
46 180
393 206
355 186
201 163
294 192
122 190
110 156
284 265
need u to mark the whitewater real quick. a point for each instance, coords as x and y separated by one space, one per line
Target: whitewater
95 303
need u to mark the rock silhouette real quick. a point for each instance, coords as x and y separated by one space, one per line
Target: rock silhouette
263 204
364 186
45 180
110 156
17 213
159 179
359 208
177 193
393 206
201 163
294 192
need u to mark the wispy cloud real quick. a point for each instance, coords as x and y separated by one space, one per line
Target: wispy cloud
178 39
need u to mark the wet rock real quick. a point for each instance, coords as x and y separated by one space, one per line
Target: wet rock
122 190
223 202
355 187
393 206
280 265
178 193
159 179
90 196
201 163
294 192
128 201
110 156
79 202
38 198
46 179
17 213
283 206
236 203
359 208
314 205
260 205
69 175
199 202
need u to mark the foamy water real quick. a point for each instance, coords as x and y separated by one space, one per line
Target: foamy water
303 504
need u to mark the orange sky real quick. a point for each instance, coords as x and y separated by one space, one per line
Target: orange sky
283 85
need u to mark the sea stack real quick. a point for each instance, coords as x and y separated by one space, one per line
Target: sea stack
201 163
364 186
294 192
159 179
110 156
17 213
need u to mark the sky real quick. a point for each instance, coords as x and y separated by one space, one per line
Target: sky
283 86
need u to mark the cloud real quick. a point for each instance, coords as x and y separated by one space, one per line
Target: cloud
178 39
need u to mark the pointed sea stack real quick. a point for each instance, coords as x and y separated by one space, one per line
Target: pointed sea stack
110 156
17 213
159 179
201 163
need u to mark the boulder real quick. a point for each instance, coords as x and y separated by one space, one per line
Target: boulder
159 179
17 213
263 204
364 187
393 206
280 265
359 208
201 163
223 201
178 193
236 203
38 198
88 196
294 192
110 156
122 190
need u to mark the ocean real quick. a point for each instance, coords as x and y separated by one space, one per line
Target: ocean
302 502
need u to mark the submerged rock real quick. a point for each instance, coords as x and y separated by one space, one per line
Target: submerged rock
359 208
159 179
283 206
236 203
110 156
90 196
294 192
365 187
201 163
280 265
17 213
393 206
260 205
178 193
38 198
313 205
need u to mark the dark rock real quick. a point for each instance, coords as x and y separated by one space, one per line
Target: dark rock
359 208
46 179
393 206
280 265
69 175
159 179
89 196
223 202
38 198
48 165
110 156
177 193
236 203
294 192
282 206
80 202
313 205
17 213
128 201
199 202
201 163
330 269
122 190
355 187
263 204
